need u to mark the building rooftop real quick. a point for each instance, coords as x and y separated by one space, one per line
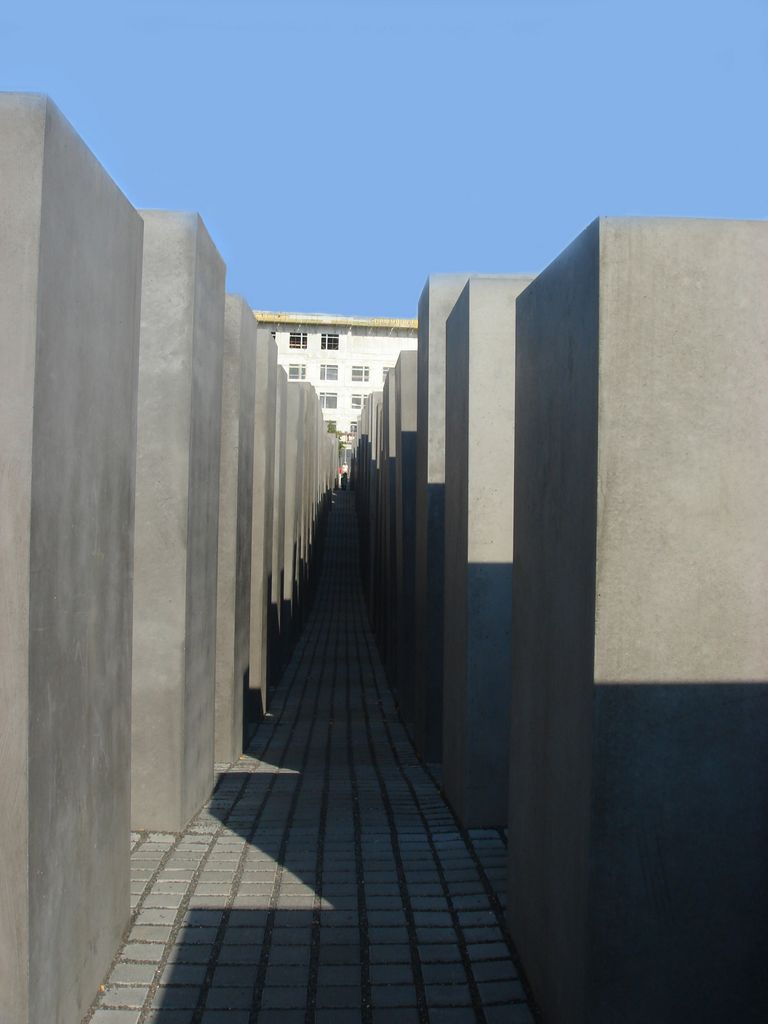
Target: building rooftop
264 316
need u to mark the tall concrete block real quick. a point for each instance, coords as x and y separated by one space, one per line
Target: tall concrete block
387 520
479 501
233 593
261 535
638 829
405 521
372 501
305 391
278 525
177 511
294 399
70 283
437 300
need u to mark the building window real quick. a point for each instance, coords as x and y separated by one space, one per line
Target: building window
297 371
360 374
298 339
328 400
353 428
329 371
329 342
357 401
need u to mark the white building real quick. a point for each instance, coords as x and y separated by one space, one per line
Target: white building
344 358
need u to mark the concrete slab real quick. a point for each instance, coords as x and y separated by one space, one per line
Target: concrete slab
372 499
278 529
479 503
294 400
177 507
261 535
638 835
405 528
235 524
437 300
70 283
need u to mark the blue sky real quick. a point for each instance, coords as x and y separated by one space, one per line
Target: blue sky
341 151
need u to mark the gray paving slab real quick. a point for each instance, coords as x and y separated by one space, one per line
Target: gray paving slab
353 914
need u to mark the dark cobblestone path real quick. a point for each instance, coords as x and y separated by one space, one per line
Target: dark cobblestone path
326 881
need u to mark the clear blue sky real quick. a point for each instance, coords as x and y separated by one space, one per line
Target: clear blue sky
341 151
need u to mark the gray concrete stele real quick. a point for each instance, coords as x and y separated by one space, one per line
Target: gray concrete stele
70 283
233 592
638 834
436 302
177 511
479 509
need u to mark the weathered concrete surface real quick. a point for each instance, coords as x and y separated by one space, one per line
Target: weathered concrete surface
638 832
293 419
405 522
177 505
70 281
261 536
389 543
275 637
373 403
233 594
437 300
479 503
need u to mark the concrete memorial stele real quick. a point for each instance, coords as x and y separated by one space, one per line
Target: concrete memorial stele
233 592
177 511
479 509
70 285
436 302
638 834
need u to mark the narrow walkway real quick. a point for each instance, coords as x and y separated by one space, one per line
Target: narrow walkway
326 881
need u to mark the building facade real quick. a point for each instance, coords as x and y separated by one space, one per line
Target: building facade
344 358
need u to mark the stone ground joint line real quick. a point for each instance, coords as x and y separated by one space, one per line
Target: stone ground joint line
325 881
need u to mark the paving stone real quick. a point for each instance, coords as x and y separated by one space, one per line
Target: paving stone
449 995
399 1015
115 1017
226 1017
444 973
337 1016
183 974
230 998
143 951
329 996
393 995
338 974
281 997
190 953
454 1015
281 1016
149 933
517 1014
176 997
487 951
169 1016
132 974
507 991
119 995
391 974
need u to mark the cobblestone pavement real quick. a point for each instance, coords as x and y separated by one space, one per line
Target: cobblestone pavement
326 880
